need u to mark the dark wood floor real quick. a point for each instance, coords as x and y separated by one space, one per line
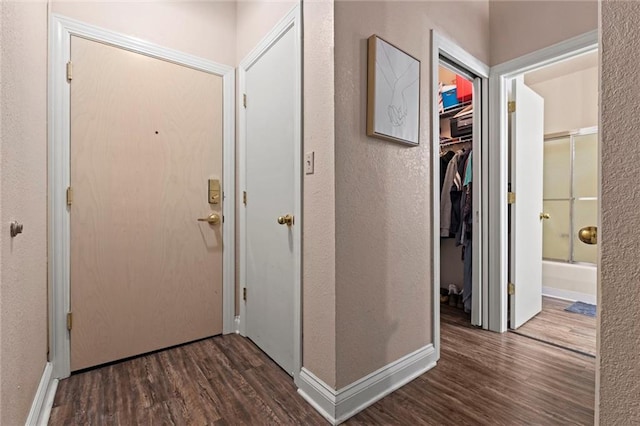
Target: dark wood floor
559 327
482 378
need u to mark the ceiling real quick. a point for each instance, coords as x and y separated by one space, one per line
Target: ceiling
579 63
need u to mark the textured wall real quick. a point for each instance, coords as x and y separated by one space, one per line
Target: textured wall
383 242
570 101
619 292
519 27
23 173
202 28
319 202
254 20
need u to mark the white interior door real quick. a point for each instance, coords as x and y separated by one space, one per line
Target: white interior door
272 192
527 151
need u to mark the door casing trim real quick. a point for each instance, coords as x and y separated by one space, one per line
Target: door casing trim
61 29
442 46
498 239
291 21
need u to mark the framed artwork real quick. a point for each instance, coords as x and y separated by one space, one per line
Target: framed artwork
393 93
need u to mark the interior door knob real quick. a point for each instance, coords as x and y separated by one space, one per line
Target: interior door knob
285 220
545 216
212 219
588 235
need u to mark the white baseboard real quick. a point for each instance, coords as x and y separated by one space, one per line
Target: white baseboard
572 296
339 405
43 399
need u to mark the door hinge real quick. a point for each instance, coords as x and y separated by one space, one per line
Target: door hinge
69 321
69 196
511 289
511 197
244 293
244 197
511 106
244 100
69 71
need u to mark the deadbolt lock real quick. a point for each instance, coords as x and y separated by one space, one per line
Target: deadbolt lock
214 191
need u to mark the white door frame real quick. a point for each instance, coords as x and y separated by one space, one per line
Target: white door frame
61 29
498 156
292 21
443 47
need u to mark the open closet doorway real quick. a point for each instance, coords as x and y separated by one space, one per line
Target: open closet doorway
456 114
561 310
459 132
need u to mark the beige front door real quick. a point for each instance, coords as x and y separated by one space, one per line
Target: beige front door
146 136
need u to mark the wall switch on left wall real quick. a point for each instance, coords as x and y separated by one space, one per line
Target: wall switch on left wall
308 163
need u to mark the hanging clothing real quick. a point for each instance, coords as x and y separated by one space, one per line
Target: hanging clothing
468 174
445 196
445 159
466 204
456 194
464 234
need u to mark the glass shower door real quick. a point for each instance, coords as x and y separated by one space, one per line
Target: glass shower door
585 183
570 195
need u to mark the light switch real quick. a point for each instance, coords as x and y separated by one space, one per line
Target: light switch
308 163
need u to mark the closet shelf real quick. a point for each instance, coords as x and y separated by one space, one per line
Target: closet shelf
451 111
455 141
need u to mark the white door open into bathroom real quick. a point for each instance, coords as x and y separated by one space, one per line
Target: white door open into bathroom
527 139
569 203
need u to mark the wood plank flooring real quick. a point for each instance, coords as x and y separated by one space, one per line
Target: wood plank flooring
559 327
481 378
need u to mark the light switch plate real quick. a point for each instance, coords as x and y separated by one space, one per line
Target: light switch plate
308 163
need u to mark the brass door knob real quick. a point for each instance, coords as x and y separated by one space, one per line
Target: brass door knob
588 235
545 216
285 220
212 219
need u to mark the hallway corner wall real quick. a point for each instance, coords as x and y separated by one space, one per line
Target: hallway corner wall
383 239
319 193
23 197
618 371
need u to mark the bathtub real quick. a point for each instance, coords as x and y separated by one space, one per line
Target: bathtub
568 281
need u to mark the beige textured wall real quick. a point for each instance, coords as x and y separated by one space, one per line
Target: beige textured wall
383 287
519 27
618 380
202 28
570 101
255 19
319 202
23 189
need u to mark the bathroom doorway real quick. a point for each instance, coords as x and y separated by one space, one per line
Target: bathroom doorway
569 214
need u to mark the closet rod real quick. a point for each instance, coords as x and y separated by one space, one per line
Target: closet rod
457 142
